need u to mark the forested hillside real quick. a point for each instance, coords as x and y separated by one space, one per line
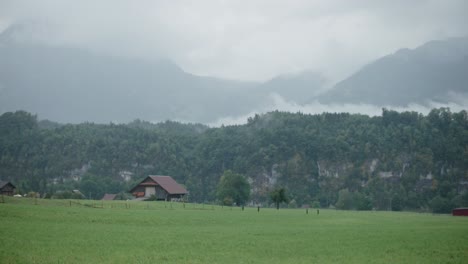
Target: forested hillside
397 161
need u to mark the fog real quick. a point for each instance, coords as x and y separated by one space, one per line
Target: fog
281 104
219 62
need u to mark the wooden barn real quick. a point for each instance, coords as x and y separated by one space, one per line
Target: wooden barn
460 211
7 188
163 187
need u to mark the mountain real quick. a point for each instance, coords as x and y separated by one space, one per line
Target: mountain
72 85
436 71
69 84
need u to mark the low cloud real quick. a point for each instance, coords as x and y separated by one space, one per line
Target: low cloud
281 104
248 40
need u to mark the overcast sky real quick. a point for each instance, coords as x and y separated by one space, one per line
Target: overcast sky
247 40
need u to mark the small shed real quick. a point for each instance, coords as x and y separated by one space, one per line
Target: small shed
162 187
460 211
7 188
109 197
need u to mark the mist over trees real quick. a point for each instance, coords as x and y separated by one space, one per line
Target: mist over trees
397 161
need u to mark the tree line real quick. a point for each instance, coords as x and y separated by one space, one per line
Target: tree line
396 161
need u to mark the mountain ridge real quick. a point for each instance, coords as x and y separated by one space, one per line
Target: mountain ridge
408 76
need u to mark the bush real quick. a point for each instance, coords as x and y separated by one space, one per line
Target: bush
62 195
227 201
345 200
77 196
397 203
353 201
123 196
33 195
67 195
151 198
440 205
292 204
315 204
362 202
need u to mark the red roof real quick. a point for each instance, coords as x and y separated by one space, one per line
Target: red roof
169 184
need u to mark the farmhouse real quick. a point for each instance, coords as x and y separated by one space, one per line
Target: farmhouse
162 187
460 211
7 188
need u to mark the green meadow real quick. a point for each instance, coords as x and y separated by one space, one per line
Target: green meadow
64 231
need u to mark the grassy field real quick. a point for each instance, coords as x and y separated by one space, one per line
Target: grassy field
154 232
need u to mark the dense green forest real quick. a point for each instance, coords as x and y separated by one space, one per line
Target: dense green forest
396 161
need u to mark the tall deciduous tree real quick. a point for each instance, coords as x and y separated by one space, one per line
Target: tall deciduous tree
233 188
278 196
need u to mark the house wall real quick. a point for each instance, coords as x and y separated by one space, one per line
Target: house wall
138 191
149 190
161 194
